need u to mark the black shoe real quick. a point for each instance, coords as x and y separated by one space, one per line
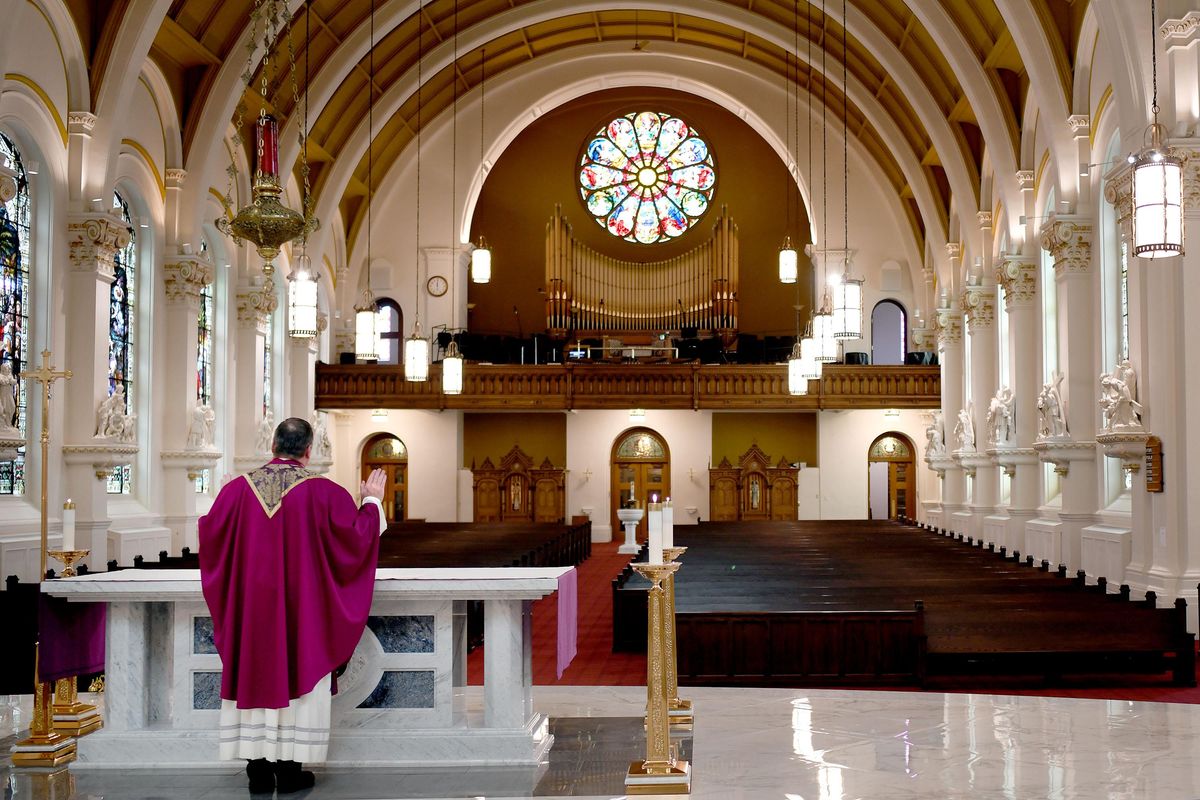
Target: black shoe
262 776
290 778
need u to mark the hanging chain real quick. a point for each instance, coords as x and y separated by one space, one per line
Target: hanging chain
845 146
1154 58
417 260
454 147
370 144
302 136
824 151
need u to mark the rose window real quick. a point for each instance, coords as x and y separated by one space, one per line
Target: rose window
647 177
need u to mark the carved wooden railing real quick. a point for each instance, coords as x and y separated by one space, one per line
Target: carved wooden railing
596 386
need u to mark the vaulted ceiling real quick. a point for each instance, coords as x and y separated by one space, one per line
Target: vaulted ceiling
908 56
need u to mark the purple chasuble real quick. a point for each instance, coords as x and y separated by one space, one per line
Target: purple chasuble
287 563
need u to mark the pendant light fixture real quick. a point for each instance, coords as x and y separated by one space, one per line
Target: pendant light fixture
825 350
366 312
847 291
1157 181
808 343
452 360
416 347
302 282
481 256
789 262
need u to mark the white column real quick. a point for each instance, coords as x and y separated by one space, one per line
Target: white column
1069 240
507 697
950 349
302 365
254 308
185 276
979 306
93 240
1018 276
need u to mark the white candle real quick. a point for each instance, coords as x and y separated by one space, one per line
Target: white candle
68 526
631 490
655 522
668 524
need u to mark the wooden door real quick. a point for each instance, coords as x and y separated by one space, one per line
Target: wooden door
640 459
897 451
723 499
388 453
783 500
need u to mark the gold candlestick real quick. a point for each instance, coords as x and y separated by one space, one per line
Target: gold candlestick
660 772
71 716
44 747
68 558
679 711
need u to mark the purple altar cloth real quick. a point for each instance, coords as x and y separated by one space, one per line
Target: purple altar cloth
70 638
568 618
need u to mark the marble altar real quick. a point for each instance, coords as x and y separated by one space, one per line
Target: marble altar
396 701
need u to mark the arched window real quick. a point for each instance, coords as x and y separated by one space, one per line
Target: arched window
391 330
889 333
15 235
266 365
122 325
205 334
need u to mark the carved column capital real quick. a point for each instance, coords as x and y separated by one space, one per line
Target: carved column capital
950 327
1080 125
923 339
1025 178
322 322
81 122
1191 179
1118 191
978 304
344 341
255 305
185 276
1069 240
1180 32
1018 276
93 241
953 250
985 219
175 178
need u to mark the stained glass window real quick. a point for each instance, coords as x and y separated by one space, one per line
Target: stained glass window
387 449
14 303
122 322
266 366
647 177
204 363
641 445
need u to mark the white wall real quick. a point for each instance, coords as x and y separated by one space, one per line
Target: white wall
590 438
844 439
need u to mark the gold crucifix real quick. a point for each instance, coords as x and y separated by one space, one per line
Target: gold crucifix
46 375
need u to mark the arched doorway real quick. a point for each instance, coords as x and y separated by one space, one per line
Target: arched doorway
386 452
891 477
639 458
889 333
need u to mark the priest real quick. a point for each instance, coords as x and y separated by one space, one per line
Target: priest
287 563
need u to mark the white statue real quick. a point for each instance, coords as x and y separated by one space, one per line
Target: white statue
935 438
128 433
964 429
1001 411
201 430
1118 398
322 448
111 420
266 434
1052 413
8 398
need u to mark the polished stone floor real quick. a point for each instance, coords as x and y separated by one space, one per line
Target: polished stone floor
779 744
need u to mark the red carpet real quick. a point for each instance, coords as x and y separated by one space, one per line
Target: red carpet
596 664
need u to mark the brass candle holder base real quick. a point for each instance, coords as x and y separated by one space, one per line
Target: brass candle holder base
674 777
45 747
68 558
71 716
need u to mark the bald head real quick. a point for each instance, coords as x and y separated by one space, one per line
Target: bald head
293 437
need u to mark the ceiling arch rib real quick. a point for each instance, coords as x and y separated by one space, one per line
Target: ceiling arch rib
908 162
998 126
438 60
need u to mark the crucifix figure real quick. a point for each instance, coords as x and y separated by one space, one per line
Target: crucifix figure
46 376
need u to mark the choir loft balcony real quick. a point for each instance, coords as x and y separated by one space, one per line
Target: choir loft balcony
560 387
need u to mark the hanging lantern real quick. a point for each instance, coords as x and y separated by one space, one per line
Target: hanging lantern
416 356
789 269
797 379
1157 201
481 262
847 307
302 300
366 328
826 345
808 356
452 369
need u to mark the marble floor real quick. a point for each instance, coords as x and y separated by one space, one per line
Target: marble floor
778 744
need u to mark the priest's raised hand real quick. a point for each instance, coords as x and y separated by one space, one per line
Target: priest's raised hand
287 563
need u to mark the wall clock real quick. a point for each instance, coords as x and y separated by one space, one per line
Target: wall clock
437 285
